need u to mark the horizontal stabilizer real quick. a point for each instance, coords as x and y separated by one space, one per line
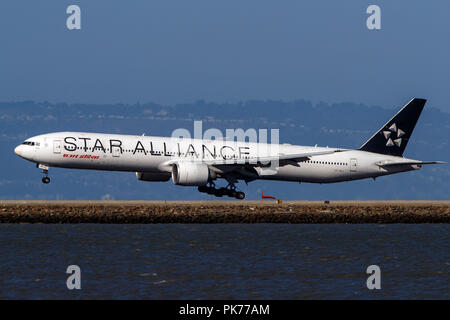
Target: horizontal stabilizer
399 163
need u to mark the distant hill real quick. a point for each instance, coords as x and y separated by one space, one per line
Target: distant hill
345 125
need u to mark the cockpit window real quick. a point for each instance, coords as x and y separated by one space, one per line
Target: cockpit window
28 143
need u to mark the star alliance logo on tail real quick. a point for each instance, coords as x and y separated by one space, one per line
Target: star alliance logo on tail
393 136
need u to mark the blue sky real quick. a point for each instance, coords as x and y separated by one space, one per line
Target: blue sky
174 51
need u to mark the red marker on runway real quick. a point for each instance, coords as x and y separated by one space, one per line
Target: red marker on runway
266 197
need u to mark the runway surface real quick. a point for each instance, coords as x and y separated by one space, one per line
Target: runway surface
224 212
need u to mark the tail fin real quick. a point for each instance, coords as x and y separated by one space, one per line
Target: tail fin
393 137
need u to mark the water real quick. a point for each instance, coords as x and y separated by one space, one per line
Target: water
224 261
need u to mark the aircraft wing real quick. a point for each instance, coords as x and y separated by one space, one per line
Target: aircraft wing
388 164
262 160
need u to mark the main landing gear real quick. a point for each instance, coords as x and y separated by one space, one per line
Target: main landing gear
45 179
230 191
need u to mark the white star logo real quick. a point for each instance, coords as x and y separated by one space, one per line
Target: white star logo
393 136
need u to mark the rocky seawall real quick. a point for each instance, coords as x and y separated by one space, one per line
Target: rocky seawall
224 212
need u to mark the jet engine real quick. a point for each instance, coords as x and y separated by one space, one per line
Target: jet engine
153 176
191 174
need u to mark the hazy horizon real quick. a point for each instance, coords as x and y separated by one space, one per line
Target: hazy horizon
174 105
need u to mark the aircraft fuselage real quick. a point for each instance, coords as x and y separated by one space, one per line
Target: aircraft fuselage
113 152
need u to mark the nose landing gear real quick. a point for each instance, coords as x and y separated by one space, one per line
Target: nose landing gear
45 179
229 191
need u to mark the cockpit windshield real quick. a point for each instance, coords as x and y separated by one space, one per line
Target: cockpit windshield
28 143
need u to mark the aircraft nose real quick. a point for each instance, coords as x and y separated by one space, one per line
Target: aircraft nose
19 150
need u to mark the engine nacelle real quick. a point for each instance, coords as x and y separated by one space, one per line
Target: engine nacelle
191 174
153 176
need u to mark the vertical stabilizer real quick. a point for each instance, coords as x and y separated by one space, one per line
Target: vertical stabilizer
393 137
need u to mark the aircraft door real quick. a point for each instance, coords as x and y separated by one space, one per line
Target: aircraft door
57 146
353 165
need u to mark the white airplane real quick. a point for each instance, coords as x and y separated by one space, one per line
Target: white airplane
197 162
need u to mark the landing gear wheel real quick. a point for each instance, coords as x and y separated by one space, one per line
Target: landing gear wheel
231 193
220 192
229 190
44 168
240 195
223 191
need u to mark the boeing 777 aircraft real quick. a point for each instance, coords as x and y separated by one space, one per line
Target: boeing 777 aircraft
197 162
